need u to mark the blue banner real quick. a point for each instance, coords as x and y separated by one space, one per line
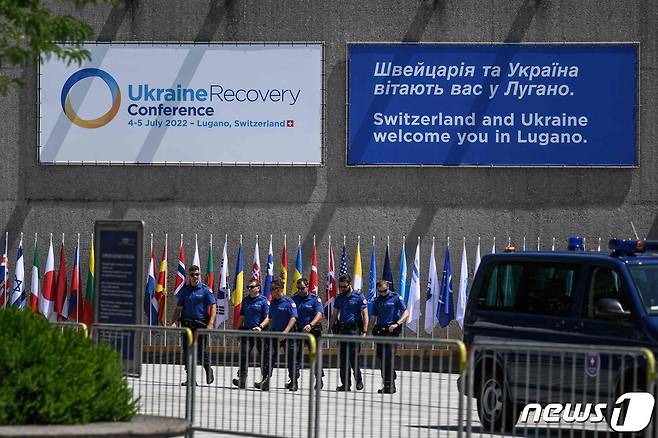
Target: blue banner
492 104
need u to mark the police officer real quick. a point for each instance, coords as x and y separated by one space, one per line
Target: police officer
282 317
196 309
310 311
253 316
390 313
350 318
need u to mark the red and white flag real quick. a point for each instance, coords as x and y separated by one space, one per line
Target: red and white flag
34 287
313 278
180 273
332 288
47 303
62 293
255 267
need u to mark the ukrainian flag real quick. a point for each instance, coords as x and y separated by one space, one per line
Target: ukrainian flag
298 268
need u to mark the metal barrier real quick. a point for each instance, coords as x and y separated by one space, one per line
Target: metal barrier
77 327
422 398
238 401
154 366
548 389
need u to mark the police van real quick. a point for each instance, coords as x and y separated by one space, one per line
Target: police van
562 297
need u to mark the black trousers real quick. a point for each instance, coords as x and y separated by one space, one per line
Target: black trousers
295 351
247 344
386 355
202 355
348 359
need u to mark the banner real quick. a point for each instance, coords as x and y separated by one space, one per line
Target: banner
493 104
171 103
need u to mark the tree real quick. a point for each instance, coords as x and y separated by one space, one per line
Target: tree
31 32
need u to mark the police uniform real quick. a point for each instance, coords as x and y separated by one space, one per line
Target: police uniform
281 311
350 321
388 309
307 308
254 311
196 302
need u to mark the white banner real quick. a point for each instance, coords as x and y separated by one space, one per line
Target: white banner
170 103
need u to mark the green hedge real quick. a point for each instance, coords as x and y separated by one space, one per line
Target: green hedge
47 377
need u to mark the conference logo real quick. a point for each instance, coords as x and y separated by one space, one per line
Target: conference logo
76 77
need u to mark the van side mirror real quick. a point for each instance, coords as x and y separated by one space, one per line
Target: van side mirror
611 309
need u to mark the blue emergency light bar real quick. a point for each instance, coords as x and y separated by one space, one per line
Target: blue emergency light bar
631 247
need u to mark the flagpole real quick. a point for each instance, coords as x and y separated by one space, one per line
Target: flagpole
36 249
164 286
77 303
6 279
448 326
151 313
418 326
433 298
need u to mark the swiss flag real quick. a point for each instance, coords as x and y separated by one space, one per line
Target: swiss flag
290 123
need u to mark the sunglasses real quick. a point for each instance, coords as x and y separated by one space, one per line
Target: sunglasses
194 274
255 286
382 290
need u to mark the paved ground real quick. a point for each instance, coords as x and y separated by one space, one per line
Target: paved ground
426 405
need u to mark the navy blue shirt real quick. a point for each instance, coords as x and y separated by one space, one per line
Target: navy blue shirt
195 300
350 306
254 310
388 309
307 308
281 311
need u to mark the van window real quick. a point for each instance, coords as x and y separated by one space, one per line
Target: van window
536 288
604 283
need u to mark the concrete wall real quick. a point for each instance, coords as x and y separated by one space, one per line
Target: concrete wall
335 200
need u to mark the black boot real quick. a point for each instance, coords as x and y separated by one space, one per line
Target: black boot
240 382
263 385
293 385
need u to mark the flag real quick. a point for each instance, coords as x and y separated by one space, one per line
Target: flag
313 278
210 271
372 279
343 262
238 288
88 302
34 287
445 312
161 286
47 303
357 278
150 303
4 277
196 261
180 273
432 294
61 289
402 285
387 274
493 247
331 282
414 292
18 286
223 292
75 285
476 263
283 272
462 297
269 274
255 266
297 273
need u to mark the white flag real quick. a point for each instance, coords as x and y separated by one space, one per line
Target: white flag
462 298
476 265
414 293
223 293
18 286
432 295
196 261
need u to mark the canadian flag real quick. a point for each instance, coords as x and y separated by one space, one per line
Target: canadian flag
47 303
